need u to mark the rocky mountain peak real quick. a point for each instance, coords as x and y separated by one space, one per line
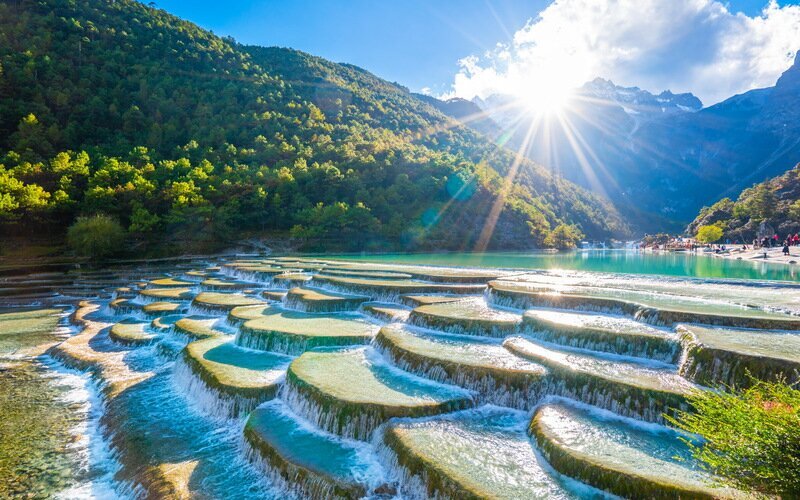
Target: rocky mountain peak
790 79
637 101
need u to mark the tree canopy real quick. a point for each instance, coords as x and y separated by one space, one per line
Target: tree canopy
774 203
123 109
709 234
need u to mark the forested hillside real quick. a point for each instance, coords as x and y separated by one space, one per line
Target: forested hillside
117 108
775 202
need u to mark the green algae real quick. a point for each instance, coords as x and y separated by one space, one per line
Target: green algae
162 307
124 306
598 332
21 330
223 301
132 333
35 431
631 389
380 288
422 300
452 275
474 454
381 275
316 300
444 362
733 356
469 316
292 279
524 297
197 327
620 456
36 421
653 308
350 394
171 282
427 273
763 295
257 271
482 365
174 293
125 292
231 370
165 323
386 312
274 295
314 464
240 314
196 274
293 332
218 284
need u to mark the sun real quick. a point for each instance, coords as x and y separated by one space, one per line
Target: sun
546 97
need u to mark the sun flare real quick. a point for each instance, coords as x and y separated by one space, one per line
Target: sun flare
546 98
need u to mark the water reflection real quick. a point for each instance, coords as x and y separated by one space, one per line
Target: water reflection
612 261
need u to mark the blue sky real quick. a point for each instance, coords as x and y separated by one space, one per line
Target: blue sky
414 42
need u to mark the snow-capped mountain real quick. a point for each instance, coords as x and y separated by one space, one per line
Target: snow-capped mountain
659 157
636 101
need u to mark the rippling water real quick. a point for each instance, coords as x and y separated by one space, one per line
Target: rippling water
611 261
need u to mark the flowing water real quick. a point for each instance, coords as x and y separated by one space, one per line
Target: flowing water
378 376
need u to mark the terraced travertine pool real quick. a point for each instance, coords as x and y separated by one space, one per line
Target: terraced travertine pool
276 377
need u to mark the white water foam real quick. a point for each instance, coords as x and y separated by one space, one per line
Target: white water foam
95 460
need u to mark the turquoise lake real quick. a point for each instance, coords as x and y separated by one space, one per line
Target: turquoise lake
611 261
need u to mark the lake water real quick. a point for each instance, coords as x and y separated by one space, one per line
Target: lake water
611 261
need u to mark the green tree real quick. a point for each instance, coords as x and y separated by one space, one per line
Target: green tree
215 139
709 234
757 203
750 438
794 210
31 137
563 237
353 226
143 221
97 236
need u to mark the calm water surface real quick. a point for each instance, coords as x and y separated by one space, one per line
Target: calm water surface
612 261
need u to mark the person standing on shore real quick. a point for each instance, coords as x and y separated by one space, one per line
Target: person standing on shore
786 248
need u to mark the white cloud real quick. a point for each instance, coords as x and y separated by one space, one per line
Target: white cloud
685 45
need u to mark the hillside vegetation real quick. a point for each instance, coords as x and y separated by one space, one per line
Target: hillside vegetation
186 138
775 203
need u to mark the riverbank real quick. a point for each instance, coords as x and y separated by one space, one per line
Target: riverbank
773 255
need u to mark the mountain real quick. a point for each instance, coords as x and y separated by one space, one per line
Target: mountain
466 112
767 207
637 102
589 140
111 106
622 109
660 158
692 160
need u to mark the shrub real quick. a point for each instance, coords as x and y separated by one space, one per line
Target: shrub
96 236
709 234
750 439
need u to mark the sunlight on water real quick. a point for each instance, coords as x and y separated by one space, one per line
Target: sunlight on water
247 393
611 261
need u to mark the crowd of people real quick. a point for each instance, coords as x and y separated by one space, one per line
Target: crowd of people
775 240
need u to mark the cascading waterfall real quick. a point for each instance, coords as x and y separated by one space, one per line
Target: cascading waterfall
465 378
